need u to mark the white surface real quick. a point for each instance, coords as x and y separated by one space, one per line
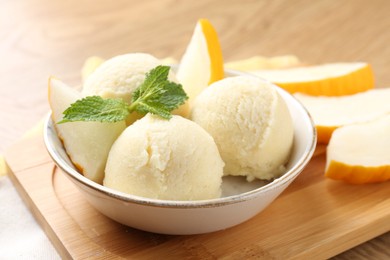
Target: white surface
20 235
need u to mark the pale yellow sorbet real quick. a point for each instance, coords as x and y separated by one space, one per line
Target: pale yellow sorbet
121 75
250 124
172 159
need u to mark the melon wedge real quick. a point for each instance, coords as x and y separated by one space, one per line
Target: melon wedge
360 153
334 79
330 113
86 143
202 62
89 66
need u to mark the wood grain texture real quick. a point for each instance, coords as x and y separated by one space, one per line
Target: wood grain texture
42 37
314 218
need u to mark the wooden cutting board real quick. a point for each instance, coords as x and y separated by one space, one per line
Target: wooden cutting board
314 218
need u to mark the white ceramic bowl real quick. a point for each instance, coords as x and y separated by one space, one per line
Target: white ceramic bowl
239 202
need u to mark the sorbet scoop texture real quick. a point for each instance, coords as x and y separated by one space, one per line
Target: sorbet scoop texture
250 124
172 159
119 76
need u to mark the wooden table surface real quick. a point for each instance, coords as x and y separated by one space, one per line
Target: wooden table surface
39 38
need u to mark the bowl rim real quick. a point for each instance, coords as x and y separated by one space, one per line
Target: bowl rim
49 128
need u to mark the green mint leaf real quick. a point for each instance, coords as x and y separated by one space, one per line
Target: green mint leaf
144 108
153 78
95 108
157 95
173 96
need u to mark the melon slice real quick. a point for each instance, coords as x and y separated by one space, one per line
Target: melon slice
264 63
333 79
86 143
360 153
330 113
90 65
202 62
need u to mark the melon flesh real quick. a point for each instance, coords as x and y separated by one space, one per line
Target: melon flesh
86 143
333 79
360 153
330 113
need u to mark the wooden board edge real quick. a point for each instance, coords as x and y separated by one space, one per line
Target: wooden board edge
55 240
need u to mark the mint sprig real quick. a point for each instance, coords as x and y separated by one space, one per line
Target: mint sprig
95 108
156 95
